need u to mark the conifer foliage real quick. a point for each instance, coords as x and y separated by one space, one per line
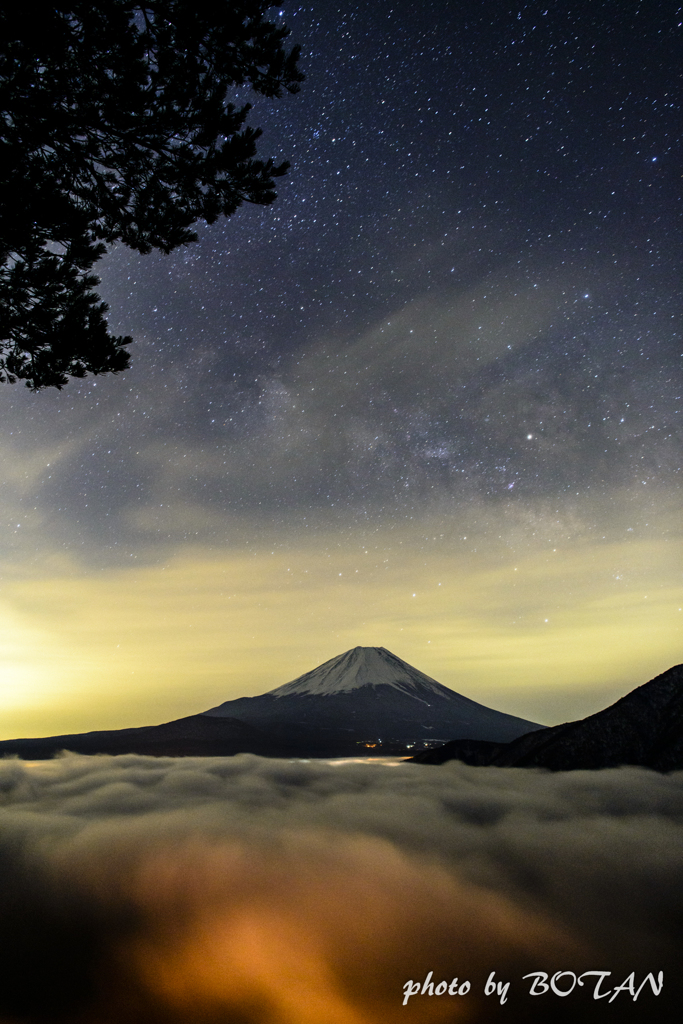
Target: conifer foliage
117 125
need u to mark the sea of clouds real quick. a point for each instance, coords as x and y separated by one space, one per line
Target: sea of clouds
261 891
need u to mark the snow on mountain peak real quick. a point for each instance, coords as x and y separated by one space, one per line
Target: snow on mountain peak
361 666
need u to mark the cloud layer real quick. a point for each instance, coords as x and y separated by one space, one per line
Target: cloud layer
257 891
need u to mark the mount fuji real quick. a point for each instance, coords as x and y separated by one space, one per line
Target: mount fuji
365 701
368 698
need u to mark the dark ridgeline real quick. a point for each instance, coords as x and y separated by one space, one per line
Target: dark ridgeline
194 736
365 701
643 728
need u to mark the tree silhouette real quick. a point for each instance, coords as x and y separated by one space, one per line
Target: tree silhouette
118 126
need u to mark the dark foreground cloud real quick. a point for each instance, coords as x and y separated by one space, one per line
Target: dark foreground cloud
255 891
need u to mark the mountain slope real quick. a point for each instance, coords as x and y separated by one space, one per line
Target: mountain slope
193 736
368 694
643 728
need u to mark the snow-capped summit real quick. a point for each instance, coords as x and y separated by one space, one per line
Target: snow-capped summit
363 666
366 695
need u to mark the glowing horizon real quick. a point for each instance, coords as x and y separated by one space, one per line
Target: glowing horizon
545 632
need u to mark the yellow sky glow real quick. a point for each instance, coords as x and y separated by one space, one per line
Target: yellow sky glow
145 645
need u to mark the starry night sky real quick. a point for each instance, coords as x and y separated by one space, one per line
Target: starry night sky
430 399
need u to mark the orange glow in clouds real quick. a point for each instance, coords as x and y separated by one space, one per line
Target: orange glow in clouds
313 929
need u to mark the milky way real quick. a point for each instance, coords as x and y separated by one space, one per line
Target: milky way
455 332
